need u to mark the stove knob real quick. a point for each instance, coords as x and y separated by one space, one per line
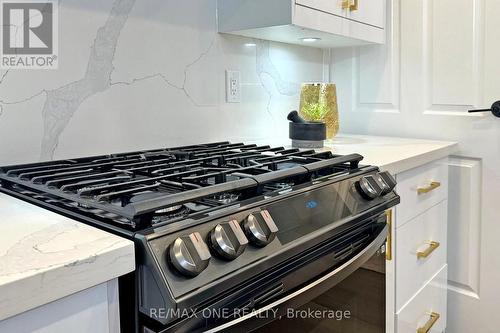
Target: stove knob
189 254
387 180
260 228
228 240
368 187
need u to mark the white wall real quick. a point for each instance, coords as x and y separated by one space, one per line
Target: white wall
139 74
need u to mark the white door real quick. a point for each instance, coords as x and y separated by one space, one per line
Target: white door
442 58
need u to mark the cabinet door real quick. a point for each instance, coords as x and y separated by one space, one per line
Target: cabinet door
329 6
370 12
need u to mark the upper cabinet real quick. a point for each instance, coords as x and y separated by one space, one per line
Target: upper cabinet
318 23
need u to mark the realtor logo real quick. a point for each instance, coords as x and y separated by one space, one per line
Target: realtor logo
29 34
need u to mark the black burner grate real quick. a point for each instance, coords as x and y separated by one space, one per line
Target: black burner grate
141 188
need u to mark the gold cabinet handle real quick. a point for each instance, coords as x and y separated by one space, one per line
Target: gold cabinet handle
388 243
350 4
427 252
434 316
427 189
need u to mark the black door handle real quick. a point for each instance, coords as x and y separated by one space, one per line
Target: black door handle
495 109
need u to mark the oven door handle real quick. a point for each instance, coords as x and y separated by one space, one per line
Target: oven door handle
313 289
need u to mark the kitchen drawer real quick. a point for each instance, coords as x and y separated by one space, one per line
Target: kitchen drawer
421 178
415 237
328 6
431 299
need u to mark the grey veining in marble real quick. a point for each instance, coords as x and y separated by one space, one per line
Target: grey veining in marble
182 87
135 74
269 75
63 102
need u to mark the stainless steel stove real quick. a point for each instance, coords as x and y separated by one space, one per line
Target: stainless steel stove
220 227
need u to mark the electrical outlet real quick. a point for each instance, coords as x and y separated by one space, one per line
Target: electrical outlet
233 88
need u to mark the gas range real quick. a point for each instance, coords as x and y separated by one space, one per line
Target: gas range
219 225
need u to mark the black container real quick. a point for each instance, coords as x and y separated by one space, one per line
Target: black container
307 134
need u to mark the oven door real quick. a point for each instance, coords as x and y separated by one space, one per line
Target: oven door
350 298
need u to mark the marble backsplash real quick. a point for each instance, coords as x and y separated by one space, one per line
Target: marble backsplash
137 74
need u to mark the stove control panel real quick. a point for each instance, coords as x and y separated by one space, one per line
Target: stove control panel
227 247
190 254
260 228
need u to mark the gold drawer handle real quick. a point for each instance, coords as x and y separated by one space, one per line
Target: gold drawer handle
350 4
434 316
432 186
424 254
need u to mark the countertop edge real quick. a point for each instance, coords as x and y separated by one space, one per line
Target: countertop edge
64 280
382 151
417 160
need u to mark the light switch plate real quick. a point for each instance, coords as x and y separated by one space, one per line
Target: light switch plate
233 87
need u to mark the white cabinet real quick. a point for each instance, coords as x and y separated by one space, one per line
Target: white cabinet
439 61
334 23
417 270
94 310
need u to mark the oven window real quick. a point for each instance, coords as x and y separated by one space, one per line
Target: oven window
357 304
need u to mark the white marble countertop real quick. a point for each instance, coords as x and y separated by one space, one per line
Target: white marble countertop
389 153
45 256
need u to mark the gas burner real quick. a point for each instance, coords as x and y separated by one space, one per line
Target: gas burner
226 198
282 186
170 213
169 210
278 187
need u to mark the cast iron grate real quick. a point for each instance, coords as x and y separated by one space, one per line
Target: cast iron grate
146 187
